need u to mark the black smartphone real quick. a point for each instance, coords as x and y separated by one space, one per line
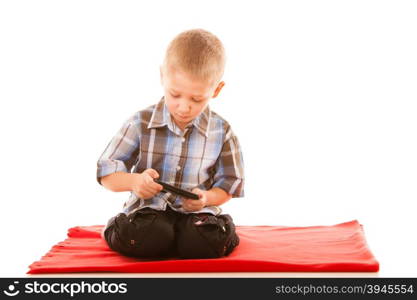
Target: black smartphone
177 191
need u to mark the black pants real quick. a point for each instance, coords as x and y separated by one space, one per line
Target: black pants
149 233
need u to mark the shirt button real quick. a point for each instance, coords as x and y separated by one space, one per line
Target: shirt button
182 140
178 168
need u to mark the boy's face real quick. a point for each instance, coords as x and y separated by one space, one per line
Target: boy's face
185 96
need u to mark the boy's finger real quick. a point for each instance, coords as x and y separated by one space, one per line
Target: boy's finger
150 183
155 186
186 205
198 192
189 202
154 174
151 190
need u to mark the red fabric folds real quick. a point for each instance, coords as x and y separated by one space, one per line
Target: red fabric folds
336 248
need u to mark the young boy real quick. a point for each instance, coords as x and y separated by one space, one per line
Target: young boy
181 142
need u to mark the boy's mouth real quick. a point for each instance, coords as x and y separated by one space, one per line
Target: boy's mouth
182 117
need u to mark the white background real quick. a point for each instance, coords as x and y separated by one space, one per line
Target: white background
322 95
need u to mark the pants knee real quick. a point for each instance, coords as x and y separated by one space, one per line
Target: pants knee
146 233
205 237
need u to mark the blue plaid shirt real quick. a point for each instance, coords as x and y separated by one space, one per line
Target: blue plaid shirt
205 155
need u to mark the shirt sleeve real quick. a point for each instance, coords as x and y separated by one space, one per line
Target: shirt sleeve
121 153
229 171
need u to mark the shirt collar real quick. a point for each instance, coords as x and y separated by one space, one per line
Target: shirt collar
161 117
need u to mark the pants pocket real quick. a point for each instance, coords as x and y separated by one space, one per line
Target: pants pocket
125 234
139 224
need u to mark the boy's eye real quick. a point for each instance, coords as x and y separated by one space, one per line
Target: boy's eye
175 96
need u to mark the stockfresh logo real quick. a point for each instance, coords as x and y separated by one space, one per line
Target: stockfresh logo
12 290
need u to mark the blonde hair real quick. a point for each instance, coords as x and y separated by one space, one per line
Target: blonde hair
198 53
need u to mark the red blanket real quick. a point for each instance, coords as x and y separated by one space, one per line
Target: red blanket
337 248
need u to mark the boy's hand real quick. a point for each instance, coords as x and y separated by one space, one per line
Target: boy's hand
144 186
195 205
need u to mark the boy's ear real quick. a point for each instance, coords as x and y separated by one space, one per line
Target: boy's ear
218 89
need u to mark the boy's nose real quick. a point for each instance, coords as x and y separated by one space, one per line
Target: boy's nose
183 107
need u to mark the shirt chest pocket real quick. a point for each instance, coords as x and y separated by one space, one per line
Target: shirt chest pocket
207 168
